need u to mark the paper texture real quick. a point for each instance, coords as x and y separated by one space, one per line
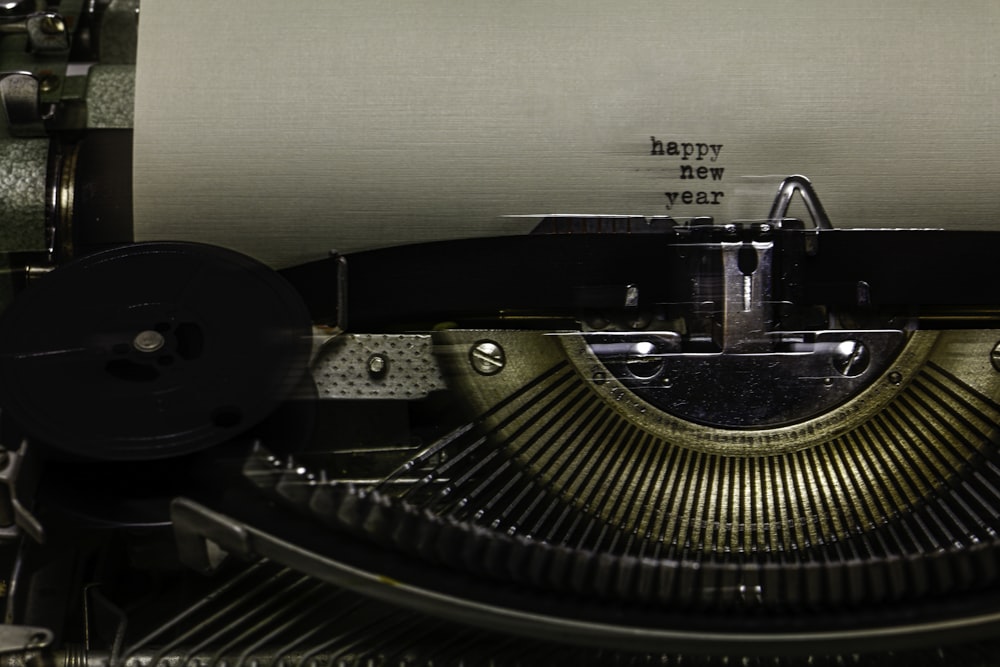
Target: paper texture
285 129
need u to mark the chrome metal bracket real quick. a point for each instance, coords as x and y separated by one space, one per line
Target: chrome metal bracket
804 187
23 638
22 107
16 471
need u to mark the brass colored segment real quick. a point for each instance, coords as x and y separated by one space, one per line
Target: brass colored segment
893 448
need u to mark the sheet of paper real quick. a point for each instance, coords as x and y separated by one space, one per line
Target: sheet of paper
285 129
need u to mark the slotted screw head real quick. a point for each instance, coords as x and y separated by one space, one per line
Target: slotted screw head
487 358
851 358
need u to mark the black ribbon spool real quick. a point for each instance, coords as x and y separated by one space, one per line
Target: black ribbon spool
151 350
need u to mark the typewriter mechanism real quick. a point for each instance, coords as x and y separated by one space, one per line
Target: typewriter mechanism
628 434
614 440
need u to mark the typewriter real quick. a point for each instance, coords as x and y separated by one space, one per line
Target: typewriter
612 440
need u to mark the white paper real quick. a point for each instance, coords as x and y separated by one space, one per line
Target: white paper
285 129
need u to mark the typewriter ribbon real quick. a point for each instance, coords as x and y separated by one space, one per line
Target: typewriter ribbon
151 350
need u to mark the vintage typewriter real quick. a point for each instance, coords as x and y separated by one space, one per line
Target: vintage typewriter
614 440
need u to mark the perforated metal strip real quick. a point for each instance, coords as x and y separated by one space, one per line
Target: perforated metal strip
377 366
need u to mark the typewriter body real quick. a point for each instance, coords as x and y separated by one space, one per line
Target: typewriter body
602 439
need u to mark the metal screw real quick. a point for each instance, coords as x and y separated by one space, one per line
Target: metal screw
487 357
851 358
48 84
597 322
52 25
377 365
895 377
148 341
640 322
643 361
995 357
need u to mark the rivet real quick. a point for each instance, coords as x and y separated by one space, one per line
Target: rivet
377 365
148 341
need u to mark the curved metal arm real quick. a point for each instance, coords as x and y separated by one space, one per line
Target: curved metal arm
787 190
